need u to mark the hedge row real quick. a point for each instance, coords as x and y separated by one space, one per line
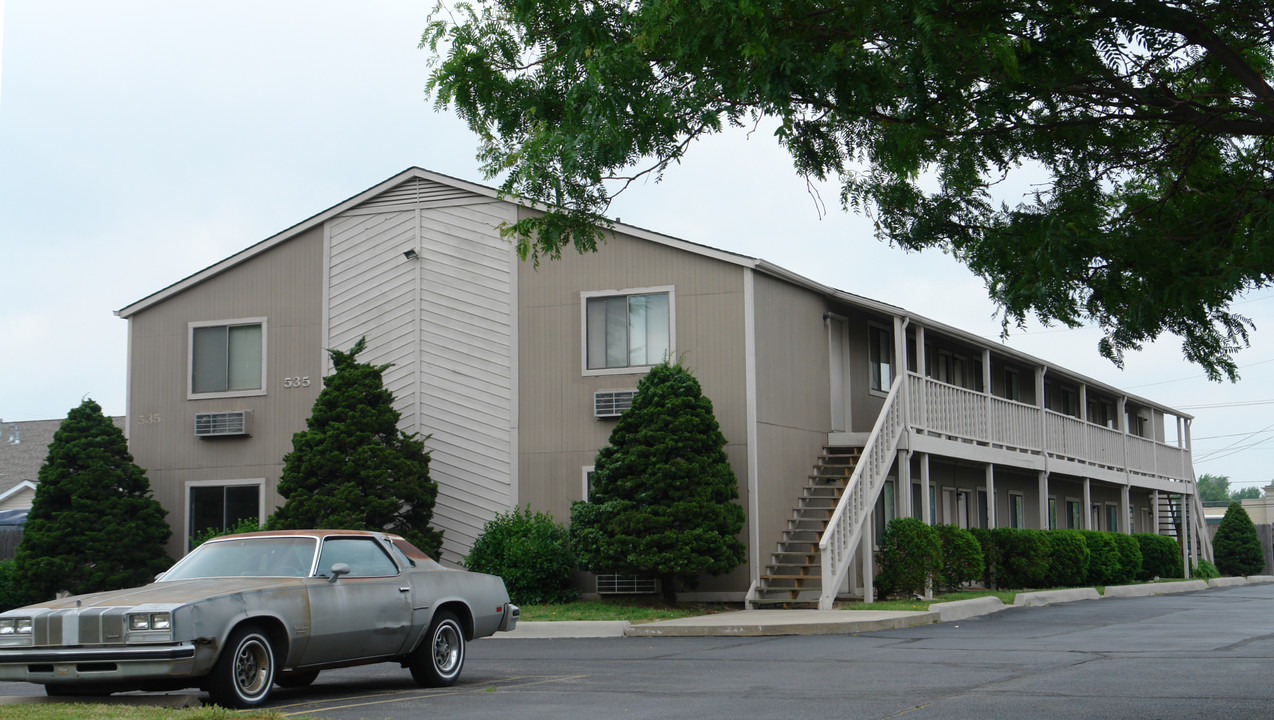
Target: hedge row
1024 558
912 555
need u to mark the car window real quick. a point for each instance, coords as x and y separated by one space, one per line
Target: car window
260 556
363 555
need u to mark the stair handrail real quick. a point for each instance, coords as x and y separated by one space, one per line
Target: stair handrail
1200 527
845 528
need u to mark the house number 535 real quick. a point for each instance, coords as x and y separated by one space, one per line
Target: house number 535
296 382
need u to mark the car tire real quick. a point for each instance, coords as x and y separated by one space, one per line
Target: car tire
296 679
438 660
244 674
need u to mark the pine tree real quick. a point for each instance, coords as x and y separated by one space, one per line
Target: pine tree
662 498
352 468
93 524
1236 547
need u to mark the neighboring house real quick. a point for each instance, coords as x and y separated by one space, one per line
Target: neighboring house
24 446
517 373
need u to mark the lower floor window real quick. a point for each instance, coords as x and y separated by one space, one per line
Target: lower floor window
221 507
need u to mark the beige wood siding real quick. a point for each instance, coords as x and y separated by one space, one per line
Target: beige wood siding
283 285
559 435
446 320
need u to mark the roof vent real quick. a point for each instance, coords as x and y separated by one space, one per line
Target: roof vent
237 423
612 403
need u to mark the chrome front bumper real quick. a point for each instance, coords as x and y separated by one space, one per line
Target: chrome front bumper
96 664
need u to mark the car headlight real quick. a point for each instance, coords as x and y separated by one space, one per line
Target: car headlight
150 621
15 626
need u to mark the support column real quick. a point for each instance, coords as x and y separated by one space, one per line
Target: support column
990 496
926 508
1187 547
865 546
1125 509
1043 499
904 484
1154 510
1088 504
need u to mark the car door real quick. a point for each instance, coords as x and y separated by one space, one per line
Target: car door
364 614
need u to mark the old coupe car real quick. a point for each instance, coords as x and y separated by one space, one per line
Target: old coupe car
242 613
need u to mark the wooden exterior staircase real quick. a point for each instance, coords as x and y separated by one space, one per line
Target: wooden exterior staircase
794 574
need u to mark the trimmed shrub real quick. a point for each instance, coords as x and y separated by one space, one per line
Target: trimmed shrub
9 596
1160 556
990 555
961 559
1023 558
1068 558
908 558
1103 557
1129 554
1205 571
1236 547
530 552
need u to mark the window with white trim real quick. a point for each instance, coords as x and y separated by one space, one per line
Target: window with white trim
227 358
880 354
1017 511
631 330
220 505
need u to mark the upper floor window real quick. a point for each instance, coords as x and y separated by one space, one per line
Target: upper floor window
632 330
227 357
880 353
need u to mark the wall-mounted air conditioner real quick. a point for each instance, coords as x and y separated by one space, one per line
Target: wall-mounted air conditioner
612 403
237 423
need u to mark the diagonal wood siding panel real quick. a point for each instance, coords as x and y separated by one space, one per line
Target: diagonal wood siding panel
447 322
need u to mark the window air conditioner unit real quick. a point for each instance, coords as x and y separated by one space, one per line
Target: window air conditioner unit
612 403
237 423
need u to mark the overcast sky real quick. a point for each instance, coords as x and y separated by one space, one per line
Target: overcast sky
141 142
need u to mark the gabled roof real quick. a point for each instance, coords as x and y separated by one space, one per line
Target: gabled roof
416 184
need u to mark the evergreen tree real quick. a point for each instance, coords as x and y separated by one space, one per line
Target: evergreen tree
93 524
1236 547
352 468
662 497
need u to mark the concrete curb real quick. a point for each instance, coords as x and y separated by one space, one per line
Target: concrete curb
1260 579
1227 581
1049 597
965 609
756 623
566 629
1151 589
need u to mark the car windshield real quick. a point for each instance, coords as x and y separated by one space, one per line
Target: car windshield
261 556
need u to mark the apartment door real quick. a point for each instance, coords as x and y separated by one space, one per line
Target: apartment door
838 366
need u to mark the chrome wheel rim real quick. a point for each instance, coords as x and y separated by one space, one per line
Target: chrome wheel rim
252 668
447 649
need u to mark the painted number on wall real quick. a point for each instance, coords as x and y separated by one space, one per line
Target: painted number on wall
296 382
148 419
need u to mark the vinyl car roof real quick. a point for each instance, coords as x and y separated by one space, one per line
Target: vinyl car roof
410 550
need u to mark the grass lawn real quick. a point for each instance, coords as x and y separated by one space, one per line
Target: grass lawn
634 610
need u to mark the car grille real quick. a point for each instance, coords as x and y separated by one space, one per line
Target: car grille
94 626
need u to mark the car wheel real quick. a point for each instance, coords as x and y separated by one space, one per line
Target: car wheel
438 660
245 671
296 679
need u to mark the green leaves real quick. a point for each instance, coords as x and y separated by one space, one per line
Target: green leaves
93 524
1145 127
662 497
352 468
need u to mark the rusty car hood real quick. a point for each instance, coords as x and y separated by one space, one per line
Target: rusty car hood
172 592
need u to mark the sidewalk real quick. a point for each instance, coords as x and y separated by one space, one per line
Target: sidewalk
754 623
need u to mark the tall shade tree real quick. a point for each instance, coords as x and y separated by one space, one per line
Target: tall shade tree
352 468
1143 131
93 524
1236 546
1214 488
662 497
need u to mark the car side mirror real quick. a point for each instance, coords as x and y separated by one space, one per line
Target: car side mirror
338 569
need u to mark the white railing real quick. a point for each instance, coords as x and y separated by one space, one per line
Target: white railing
845 529
940 409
